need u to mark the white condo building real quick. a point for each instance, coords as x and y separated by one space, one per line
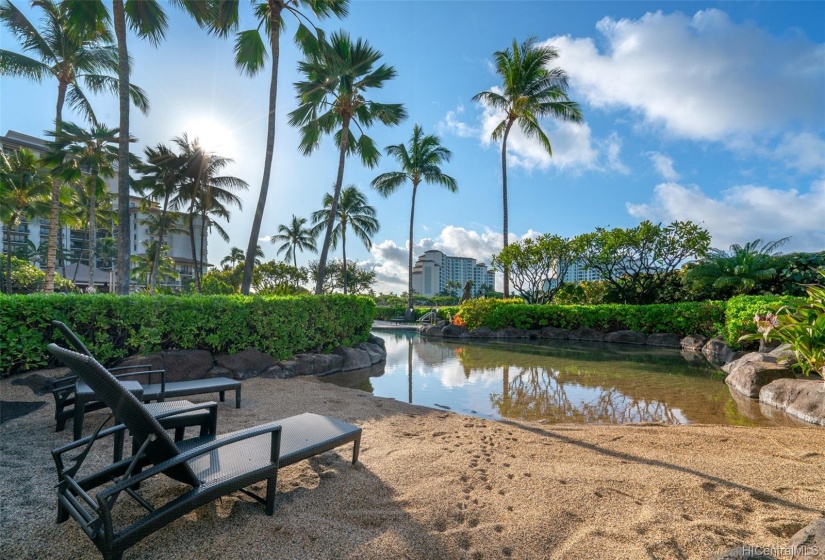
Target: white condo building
434 270
31 235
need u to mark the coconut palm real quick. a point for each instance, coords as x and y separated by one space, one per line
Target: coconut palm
419 162
143 266
78 215
235 257
739 270
352 211
337 79
295 237
87 156
250 58
24 195
74 57
531 90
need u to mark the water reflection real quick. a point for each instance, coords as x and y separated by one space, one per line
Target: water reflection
561 382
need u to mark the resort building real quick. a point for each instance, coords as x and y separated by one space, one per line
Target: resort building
29 239
434 270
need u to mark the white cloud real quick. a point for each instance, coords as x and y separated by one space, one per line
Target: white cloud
804 152
613 147
664 165
702 77
452 125
743 213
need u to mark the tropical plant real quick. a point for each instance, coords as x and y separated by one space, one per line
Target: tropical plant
739 271
235 257
85 156
26 278
338 75
24 195
78 214
531 89
451 288
143 265
419 161
250 58
358 280
800 325
73 55
353 211
295 237
277 278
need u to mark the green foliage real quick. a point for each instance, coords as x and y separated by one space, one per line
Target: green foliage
794 271
583 293
26 278
359 281
801 325
474 312
741 310
387 313
738 271
114 327
212 285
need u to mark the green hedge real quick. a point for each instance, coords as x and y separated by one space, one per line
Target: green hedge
706 318
741 310
114 327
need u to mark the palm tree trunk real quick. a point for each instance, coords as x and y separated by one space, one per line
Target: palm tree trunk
201 257
410 264
9 227
92 230
344 250
54 213
333 210
124 244
504 195
295 263
154 272
275 8
192 245
62 252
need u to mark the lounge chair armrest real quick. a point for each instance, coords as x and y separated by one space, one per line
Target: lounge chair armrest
182 410
136 366
220 441
85 440
150 373
64 384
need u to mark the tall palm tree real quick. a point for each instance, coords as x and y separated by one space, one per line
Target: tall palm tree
352 211
740 269
338 76
24 194
77 217
235 257
250 57
531 90
72 56
87 156
295 237
419 162
144 265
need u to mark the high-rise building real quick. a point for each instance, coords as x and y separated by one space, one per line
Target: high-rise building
72 243
434 270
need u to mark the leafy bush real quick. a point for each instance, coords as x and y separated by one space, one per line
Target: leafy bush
26 278
741 310
475 312
213 285
114 327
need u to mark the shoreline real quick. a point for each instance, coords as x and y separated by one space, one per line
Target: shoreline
438 484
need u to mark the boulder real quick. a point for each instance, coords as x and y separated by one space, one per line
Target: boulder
219 371
554 333
453 331
767 346
38 383
694 356
809 542
354 358
376 353
745 552
510 332
481 332
802 398
748 358
155 361
377 340
717 352
181 365
783 353
433 330
626 337
693 342
587 334
246 363
668 340
277 371
749 377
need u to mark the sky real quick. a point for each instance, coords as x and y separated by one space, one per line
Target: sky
706 111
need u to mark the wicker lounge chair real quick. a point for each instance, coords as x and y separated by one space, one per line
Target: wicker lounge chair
408 317
211 466
68 392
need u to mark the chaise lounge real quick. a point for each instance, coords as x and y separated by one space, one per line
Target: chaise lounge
210 466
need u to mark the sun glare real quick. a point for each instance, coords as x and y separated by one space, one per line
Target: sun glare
213 135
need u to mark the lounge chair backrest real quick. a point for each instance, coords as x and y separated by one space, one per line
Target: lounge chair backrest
71 337
409 315
127 409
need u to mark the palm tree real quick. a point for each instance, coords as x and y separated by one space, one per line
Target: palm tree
235 257
87 156
71 56
420 162
144 265
531 90
250 58
77 216
353 211
338 76
739 270
24 194
295 237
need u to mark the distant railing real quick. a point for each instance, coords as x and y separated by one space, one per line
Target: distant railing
430 317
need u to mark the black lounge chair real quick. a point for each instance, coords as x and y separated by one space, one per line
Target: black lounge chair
211 466
408 317
81 399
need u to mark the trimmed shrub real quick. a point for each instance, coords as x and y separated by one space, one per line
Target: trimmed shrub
477 312
741 310
114 327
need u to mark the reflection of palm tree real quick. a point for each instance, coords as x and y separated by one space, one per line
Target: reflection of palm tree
409 369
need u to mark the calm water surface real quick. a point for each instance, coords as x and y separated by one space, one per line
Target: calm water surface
558 382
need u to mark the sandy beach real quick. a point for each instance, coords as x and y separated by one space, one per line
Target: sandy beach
434 484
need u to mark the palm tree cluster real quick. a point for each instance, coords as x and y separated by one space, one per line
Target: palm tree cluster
82 44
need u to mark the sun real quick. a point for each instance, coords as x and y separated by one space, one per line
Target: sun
214 135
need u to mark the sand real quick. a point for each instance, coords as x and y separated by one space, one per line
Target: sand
433 484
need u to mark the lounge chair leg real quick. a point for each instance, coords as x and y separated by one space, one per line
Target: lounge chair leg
271 483
355 449
62 513
179 433
238 397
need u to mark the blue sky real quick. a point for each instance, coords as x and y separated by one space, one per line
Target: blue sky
709 111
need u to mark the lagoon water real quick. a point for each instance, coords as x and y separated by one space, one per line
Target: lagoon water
558 382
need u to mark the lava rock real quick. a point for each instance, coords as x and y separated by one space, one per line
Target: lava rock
587 334
747 358
807 540
717 352
354 358
626 337
802 398
693 342
554 333
453 331
246 363
481 332
667 340
748 378
510 332
377 340
376 353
